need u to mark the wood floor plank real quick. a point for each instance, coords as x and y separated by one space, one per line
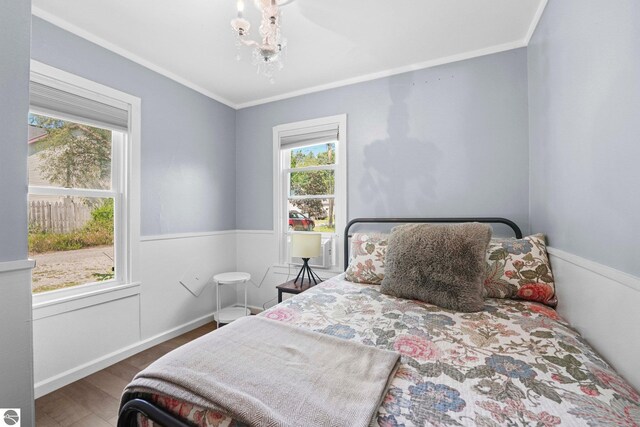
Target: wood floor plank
91 420
123 370
93 398
107 382
206 328
64 410
202 330
191 335
44 420
145 358
179 341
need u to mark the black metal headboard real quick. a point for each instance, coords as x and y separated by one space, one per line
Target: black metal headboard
505 221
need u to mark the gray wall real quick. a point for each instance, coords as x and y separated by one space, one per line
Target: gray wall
16 359
584 103
14 105
188 139
445 141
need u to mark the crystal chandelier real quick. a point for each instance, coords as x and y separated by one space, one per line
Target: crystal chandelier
267 54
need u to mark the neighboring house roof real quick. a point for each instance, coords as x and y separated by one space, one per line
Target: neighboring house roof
35 157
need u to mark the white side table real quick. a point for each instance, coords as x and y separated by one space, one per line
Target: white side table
229 314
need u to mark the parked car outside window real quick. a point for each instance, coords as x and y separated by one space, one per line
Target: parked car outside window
300 222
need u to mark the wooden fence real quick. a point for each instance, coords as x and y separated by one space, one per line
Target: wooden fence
58 217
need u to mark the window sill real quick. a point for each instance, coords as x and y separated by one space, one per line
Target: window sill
47 305
19 265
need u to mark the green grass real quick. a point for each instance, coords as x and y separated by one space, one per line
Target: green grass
48 288
87 237
100 277
323 227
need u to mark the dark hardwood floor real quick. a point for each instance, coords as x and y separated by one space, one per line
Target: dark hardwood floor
93 401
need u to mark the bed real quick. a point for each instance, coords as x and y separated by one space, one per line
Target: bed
513 363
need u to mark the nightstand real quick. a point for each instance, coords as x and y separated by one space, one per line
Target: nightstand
227 315
293 288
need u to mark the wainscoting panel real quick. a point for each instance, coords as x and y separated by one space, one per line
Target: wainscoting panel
602 304
598 301
74 342
68 340
165 302
16 359
257 253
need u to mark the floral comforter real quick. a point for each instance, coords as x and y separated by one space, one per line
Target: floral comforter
514 364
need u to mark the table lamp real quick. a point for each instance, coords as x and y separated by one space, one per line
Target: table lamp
306 246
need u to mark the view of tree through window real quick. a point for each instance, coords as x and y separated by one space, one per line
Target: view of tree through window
311 192
71 228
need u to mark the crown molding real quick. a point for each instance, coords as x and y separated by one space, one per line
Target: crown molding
535 22
67 26
390 72
73 29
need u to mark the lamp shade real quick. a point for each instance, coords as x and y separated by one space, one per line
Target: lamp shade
306 245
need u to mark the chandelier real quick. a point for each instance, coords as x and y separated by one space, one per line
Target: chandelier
268 52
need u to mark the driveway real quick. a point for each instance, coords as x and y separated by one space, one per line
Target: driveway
55 270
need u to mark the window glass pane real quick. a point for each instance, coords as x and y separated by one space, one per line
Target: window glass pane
314 155
71 239
68 154
314 183
317 215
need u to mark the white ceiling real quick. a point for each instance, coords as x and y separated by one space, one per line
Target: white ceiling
330 42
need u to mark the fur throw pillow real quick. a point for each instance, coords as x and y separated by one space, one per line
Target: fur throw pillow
442 264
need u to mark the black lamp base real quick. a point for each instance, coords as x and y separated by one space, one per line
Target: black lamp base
312 276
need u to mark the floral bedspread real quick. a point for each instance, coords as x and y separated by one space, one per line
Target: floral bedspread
514 364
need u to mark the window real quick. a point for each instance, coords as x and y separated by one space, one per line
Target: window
80 183
310 187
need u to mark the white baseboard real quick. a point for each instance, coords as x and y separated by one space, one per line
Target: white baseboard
51 384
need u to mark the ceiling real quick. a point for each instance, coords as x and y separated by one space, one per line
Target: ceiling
330 42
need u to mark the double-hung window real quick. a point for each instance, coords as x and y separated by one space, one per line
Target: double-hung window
310 191
79 204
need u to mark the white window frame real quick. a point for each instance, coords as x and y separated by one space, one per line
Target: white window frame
280 175
125 183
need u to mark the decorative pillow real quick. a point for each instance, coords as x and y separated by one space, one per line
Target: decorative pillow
440 264
520 269
366 262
